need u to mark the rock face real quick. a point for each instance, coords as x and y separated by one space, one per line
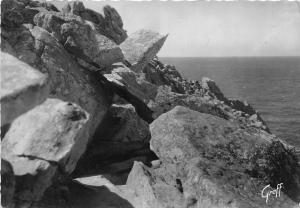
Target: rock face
109 23
16 12
41 142
133 82
163 74
203 96
67 80
219 164
141 47
151 190
22 88
79 38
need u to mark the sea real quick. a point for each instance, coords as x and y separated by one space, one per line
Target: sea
270 84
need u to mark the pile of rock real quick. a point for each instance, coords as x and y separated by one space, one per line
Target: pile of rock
91 118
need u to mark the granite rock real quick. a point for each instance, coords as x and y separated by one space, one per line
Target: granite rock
108 22
141 47
41 142
22 88
220 164
80 38
133 82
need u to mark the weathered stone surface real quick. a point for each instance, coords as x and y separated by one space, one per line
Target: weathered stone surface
151 191
11 15
22 88
122 138
162 74
17 12
141 47
108 23
133 82
33 176
235 163
166 100
203 96
20 43
204 102
67 80
49 132
80 38
40 142
7 183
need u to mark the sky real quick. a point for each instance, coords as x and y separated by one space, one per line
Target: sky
198 28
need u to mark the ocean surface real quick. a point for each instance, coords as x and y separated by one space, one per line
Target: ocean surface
270 84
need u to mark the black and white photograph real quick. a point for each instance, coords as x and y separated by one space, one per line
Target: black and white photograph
150 104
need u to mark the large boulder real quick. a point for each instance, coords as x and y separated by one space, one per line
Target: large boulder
22 88
45 141
220 164
80 38
67 80
141 47
133 82
108 22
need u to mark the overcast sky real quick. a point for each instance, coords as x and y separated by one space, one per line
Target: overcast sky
215 28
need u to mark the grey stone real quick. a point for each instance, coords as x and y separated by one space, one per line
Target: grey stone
220 164
41 140
133 82
80 38
108 22
22 88
141 47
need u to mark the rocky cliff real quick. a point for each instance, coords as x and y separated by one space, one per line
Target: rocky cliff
91 118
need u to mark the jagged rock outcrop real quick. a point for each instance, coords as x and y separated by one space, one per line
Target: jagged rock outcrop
141 47
219 164
79 38
203 96
166 100
45 141
22 88
163 74
16 12
205 103
109 23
